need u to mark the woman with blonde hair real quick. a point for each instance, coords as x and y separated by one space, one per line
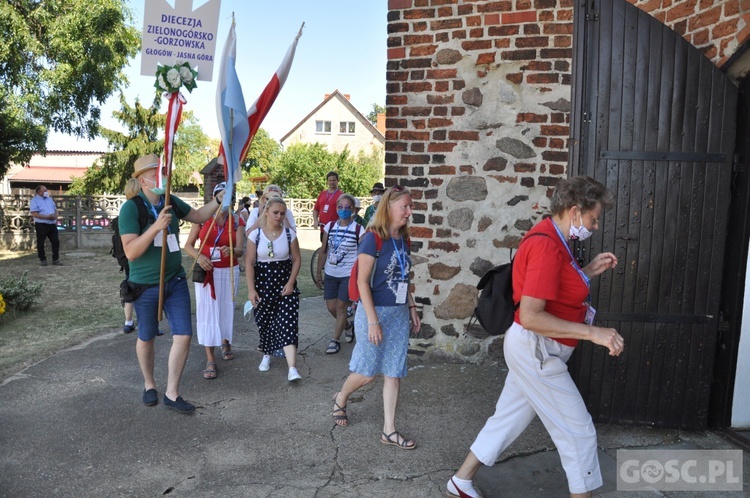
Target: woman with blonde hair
253 220
272 263
386 308
132 188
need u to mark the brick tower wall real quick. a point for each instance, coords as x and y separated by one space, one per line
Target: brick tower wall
477 125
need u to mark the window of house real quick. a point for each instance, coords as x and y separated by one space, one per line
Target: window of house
322 127
346 127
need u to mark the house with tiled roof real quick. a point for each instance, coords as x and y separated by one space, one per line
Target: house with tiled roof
56 170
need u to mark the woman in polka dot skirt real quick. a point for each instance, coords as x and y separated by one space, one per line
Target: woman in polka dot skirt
272 263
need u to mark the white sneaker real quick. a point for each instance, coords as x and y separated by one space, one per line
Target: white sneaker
468 491
265 365
293 375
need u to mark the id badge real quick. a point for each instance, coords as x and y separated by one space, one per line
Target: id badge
401 292
215 253
325 208
590 314
172 243
158 241
333 258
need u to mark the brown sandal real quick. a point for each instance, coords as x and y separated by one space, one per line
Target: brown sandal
341 420
226 352
404 444
211 373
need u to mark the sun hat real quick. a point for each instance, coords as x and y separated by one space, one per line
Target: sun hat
145 163
378 187
219 187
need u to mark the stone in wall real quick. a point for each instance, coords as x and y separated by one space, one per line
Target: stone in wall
495 164
440 271
484 223
467 188
560 105
461 219
473 97
449 330
448 56
480 266
460 303
468 348
515 148
476 331
426 331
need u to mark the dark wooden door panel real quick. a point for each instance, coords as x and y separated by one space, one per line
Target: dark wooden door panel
653 119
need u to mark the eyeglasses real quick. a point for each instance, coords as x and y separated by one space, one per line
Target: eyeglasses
345 208
270 250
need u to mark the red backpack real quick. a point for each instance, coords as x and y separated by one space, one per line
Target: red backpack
353 287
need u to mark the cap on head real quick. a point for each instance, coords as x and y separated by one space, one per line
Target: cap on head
357 204
219 187
145 163
377 188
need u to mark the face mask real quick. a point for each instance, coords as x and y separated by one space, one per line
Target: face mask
579 233
155 190
344 214
45 195
376 198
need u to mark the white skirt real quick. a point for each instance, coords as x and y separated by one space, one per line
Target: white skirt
215 317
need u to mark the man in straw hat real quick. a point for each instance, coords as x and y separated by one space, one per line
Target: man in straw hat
143 247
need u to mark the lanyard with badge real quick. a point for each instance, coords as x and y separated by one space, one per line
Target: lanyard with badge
590 311
334 256
171 238
213 256
327 203
403 264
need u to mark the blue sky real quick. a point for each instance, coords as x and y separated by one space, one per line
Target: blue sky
343 46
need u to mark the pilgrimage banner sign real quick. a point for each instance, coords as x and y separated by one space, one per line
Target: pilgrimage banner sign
179 33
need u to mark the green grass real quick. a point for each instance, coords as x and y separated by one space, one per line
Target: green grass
79 300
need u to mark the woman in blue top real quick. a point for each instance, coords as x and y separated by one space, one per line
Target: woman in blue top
382 319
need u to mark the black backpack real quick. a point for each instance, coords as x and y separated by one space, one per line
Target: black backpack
495 306
118 251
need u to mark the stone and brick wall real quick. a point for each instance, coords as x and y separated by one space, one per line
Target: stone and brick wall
717 27
477 126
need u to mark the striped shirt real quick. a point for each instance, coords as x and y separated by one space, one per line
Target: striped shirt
342 248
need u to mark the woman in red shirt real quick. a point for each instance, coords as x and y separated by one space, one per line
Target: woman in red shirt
554 314
214 301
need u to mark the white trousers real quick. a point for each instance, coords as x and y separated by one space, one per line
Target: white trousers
215 317
538 383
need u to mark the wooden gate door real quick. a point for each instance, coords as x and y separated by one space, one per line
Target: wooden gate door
654 120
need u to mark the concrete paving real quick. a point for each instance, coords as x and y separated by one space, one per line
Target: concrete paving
74 425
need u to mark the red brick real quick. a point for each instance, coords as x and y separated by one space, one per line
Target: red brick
465 10
477 45
417 147
442 170
524 167
463 135
486 58
458 111
423 86
446 24
554 29
442 2
396 146
502 31
440 111
556 143
391 134
529 117
417 39
418 27
399 4
516 78
519 55
440 99
420 232
540 142
555 156
532 42
440 147
538 66
550 130
395 123
398 27
502 6
531 29
442 74
422 51
396 100
564 15
491 19
546 16
416 111
468 170
392 111
396 170
416 75
555 53
445 11
419 14
523 5
397 53
476 33
474 21
459 35
443 246
439 123
396 76
415 159
415 135
731 9
419 124
544 4
442 86
502 42
725 28
557 117
681 11
519 17
707 18
563 41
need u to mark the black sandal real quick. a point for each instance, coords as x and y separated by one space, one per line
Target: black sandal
226 352
340 420
403 445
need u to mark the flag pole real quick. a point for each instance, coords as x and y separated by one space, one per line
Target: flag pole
164 243
231 216
203 242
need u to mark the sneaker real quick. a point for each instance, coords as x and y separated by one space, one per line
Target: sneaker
128 328
179 405
43 262
293 375
349 311
265 365
57 263
150 398
467 491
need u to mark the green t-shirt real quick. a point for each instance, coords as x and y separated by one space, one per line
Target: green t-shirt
145 269
369 212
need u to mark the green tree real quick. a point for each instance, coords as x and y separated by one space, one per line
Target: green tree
59 61
373 116
301 170
145 135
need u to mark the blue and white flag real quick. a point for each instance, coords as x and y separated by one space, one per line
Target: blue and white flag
232 115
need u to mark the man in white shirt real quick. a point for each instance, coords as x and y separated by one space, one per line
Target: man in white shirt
44 211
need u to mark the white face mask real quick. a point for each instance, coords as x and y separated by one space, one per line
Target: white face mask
376 198
579 233
45 195
157 191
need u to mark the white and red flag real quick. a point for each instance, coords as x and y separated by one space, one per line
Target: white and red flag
232 116
174 114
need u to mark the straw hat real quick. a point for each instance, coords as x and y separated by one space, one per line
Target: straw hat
145 163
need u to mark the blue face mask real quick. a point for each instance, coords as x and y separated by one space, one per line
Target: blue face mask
344 214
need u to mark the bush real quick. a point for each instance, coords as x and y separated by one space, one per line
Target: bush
18 293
